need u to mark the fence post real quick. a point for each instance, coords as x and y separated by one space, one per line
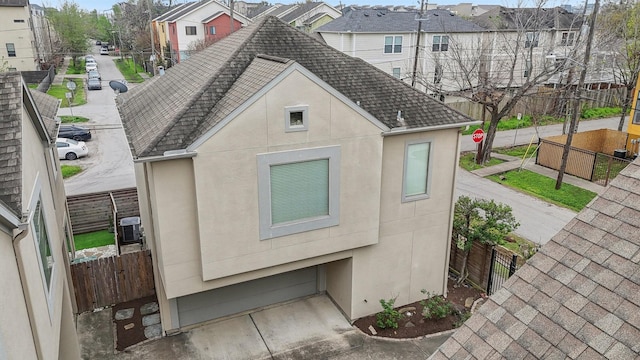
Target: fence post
514 263
606 179
491 266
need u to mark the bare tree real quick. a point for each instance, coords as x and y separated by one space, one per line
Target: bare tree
509 61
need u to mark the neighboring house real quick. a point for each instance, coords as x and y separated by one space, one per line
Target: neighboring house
467 9
18 44
45 36
195 25
304 16
36 315
577 298
530 34
387 40
274 167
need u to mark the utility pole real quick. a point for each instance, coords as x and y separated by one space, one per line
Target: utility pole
577 95
153 45
415 60
231 6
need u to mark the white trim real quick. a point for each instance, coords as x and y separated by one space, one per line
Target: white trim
9 216
260 93
404 130
304 109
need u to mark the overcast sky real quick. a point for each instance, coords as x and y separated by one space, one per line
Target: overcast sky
102 5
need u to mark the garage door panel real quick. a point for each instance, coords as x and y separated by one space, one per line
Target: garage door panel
252 294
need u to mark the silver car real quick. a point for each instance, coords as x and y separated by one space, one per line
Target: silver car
94 84
94 74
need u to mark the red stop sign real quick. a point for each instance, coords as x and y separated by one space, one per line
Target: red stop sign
477 136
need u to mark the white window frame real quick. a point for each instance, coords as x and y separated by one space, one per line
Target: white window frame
396 72
11 49
441 45
531 39
265 161
393 44
426 195
304 109
569 40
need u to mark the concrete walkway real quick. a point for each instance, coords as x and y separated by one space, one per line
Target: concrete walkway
311 328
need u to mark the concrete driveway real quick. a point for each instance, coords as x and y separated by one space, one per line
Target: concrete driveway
310 328
109 165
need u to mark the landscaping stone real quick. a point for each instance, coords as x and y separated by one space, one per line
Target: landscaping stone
151 319
149 308
129 326
409 324
124 314
468 302
372 330
153 331
407 309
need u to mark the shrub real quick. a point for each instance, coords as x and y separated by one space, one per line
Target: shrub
435 306
388 317
462 317
602 112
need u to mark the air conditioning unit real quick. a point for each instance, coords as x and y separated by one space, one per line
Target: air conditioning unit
130 230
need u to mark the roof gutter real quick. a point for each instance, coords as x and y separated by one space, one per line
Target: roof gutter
403 130
168 155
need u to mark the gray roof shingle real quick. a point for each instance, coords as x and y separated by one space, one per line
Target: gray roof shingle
300 11
386 21
579 297
11 140
185 10
48 107
173 11
502 18
170 112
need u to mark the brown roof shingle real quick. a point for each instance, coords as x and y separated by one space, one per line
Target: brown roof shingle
170 112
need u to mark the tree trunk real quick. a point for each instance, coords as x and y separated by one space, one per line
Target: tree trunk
464 271
491 134
627 103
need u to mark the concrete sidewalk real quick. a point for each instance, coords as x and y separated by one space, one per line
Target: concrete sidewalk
310 328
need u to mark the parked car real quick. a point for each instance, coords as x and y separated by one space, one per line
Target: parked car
98 42
94 84
94 74
90 64
104 51
70 149
89 57
77 133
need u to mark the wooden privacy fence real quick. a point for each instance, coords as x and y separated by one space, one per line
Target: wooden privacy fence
478 264
112 280
93 212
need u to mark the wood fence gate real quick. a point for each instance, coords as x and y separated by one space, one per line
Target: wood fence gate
112 280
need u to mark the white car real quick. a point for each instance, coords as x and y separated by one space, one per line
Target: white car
70 149
104 51
90 64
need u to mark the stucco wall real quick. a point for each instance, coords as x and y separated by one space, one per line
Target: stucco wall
20 35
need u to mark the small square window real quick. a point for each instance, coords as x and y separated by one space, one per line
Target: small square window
190 30
392 44
440 43
296 118
212 30
396 72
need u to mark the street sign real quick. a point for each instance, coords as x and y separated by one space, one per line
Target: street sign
68 95
477 136
71 85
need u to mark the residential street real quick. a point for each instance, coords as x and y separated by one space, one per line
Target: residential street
109 165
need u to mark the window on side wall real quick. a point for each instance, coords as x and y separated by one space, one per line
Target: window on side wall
440 43
437 75
528 67
212 30
531 39
296 118
298 191
417 163
396 72
392 44
43 243
190 30
567 38
11 49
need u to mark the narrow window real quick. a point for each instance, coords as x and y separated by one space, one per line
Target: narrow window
11 49
396 72
44 246
212 30
416 170
527 68
437 76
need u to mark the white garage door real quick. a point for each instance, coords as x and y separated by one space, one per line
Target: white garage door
249 295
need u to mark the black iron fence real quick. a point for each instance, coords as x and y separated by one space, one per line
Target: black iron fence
503 265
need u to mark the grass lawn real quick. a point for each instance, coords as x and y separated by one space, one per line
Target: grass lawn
518 244
127 70
468 162
67 119
69 170
518 151
543 187
94 239
32 86
59 92
78 69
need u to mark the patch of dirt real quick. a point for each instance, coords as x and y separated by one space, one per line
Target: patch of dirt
413 324
127 335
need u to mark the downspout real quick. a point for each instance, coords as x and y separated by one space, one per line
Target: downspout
20 233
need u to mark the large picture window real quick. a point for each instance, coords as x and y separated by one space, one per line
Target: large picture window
44 246
417 161
298 190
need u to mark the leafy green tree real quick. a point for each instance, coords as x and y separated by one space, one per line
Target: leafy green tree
100 27
480 220
71 25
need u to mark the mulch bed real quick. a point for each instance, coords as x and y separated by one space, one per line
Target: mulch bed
413 324
124 337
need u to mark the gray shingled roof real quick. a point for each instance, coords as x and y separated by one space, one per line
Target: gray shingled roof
282 9
170 112
252 13
212 16
14 3
386 21
48 107
300 11
313 19
185 10
171 12
11 135
579 297
502 18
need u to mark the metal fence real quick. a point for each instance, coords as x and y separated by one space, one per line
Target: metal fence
503 265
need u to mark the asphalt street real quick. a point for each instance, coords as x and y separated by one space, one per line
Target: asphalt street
109 165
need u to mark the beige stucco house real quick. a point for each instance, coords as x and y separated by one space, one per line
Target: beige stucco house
271 166
36 302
